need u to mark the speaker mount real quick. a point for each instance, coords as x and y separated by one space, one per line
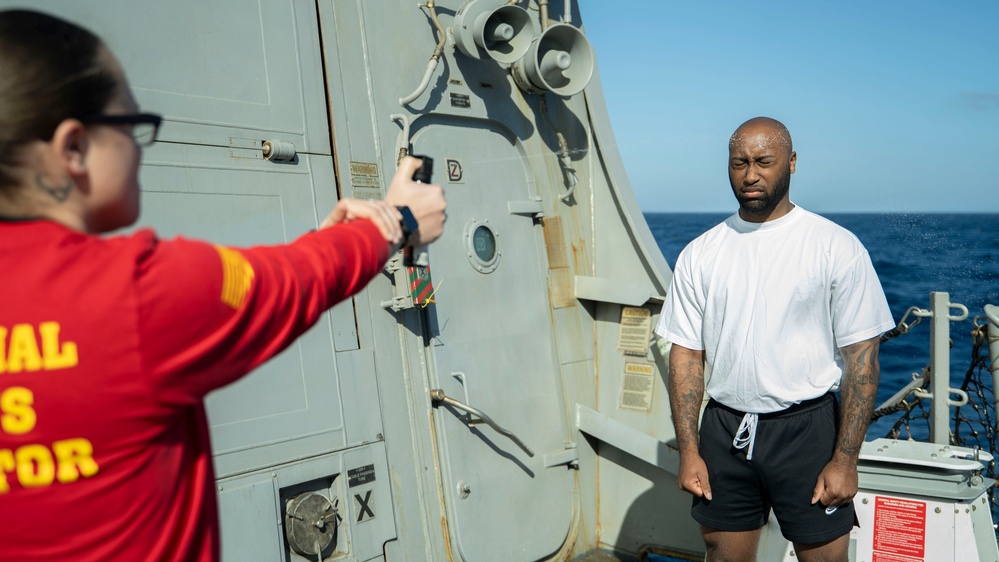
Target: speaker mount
559 61
493 29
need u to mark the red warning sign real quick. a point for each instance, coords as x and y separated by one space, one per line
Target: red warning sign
899 530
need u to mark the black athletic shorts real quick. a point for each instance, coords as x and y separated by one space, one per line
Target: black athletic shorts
791 449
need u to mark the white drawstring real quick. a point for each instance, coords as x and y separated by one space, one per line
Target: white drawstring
746 434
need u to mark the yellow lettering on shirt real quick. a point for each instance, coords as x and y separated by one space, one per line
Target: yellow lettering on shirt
37 465
75 458
54 355
17 416
237 277
20 352
23 354
6 465
34 466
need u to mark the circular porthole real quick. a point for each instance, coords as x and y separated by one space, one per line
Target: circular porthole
482 244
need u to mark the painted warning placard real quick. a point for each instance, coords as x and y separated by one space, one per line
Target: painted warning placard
636 331
637 386
899 530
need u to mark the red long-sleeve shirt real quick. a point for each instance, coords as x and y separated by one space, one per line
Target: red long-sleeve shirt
107 348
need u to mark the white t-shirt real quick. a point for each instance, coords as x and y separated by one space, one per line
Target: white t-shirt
770 304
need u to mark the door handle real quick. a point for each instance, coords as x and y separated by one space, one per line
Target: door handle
438 396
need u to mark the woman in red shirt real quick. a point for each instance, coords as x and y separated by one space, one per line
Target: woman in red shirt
109 344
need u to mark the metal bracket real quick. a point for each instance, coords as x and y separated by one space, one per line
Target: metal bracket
531 208
568 456
628 439
927 314
249 149
956 391
401 299
616 291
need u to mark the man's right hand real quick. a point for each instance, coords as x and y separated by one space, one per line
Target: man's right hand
425 201
693 476
686 391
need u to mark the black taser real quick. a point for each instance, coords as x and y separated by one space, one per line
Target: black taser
419 256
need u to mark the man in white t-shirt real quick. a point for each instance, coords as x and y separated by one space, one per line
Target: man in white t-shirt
785 308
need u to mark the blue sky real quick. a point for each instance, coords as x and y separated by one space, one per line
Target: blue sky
893 106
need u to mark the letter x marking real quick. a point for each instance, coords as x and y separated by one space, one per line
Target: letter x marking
363 505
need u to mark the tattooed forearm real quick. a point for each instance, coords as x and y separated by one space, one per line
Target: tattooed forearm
857 390
686 391
59 193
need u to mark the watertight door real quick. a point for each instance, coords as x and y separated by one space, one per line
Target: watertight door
492 348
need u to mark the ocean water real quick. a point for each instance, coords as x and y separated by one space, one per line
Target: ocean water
913 254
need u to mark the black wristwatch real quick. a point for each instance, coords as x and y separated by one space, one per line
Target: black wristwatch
410 227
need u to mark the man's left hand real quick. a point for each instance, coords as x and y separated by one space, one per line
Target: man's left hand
837 483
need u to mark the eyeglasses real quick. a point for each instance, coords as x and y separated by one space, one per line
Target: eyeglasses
145 126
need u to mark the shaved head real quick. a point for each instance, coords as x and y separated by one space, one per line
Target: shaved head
763 130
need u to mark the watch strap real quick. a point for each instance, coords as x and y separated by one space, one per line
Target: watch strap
410 227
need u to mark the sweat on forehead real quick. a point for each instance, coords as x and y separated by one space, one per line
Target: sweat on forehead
762 130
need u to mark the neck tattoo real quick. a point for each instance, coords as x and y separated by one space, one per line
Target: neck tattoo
59 193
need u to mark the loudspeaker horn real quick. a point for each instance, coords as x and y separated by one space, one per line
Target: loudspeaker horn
560 61
490 28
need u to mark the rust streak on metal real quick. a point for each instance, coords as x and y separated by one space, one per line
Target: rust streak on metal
445 532
447 537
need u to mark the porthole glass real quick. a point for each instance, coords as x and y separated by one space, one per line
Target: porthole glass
484 244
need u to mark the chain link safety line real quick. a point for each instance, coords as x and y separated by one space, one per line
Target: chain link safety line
973 424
